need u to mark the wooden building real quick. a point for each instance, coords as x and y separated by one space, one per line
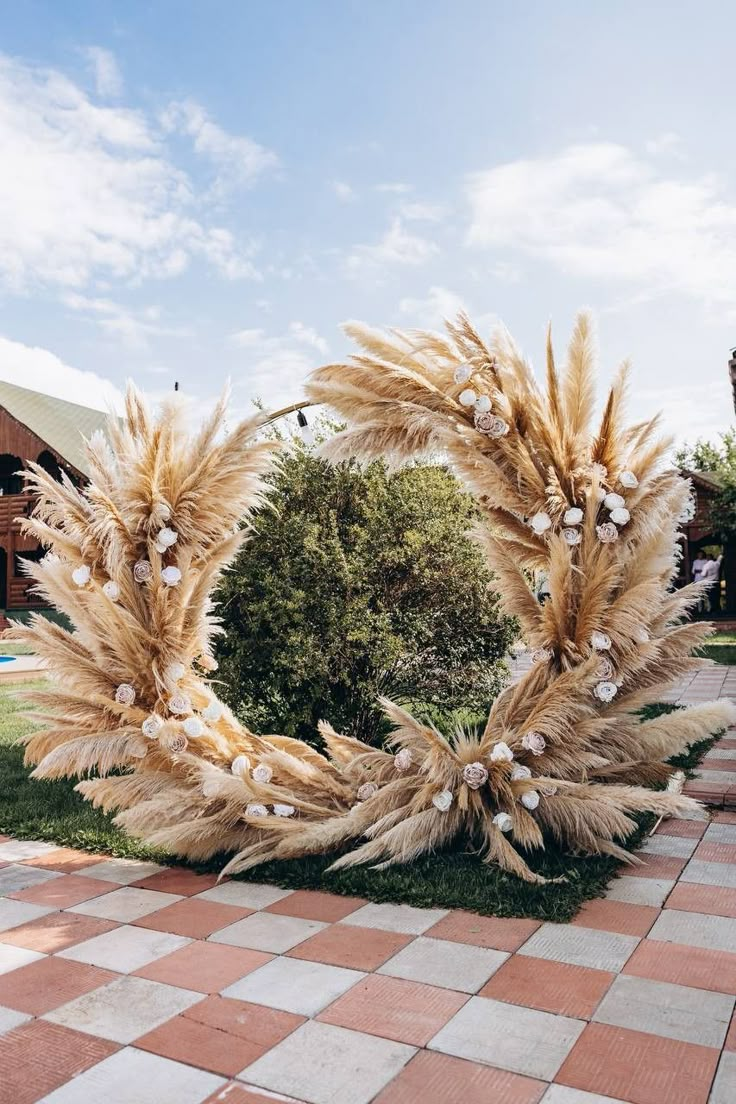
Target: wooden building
698 534
50 432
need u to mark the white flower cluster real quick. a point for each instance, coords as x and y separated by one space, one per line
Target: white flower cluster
487 423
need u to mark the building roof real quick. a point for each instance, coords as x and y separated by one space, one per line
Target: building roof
711 480
60 424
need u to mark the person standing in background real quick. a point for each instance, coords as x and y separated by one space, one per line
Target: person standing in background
711 574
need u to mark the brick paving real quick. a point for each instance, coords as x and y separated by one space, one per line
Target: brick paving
128 983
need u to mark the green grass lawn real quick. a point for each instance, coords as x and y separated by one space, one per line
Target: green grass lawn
9 647
53 811
721 647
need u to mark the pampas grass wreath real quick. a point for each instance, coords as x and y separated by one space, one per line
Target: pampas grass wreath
134 557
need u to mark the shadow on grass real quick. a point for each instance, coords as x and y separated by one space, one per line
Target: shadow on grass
53 811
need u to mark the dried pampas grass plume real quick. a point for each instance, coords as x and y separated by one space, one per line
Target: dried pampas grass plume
134 557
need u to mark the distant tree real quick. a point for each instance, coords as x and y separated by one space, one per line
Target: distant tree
357 583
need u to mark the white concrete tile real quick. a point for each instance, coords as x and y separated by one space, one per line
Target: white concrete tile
678 847
727 777
601 950
722 753
125 1009
720 833
122 871
14 913
724 1085
695 929
397 918
126 904
508 1036
16 877
125 949
710 873
660 1008
9 1019
444 963
266 931
294 985
329 1065
250 895
19 850
12 958
560 1094
640 891
135 1077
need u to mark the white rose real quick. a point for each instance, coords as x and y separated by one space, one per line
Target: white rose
111 590
501 753
600 641
171 576
467 397
193 727
620 515
573 516
541 522
256 810
482 404
284 810
442 801
262 774
530 799
628 479
503 822
240 766
81 575
606 691
463 372
613 501
519 771
167 537
213 711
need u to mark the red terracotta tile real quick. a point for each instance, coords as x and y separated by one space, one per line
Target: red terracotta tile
716 852
51 1053
56 932
49 983
309 904
66 860
711 793
549 986
4 839
713 900
405 1011
346 945
698 967
657 866
616 916
432 1078
204 967
238 1094
730 1043
65 891
691 829
715 764
177 879
195 919
638 1067
483 931
726 744
724 817
220 1035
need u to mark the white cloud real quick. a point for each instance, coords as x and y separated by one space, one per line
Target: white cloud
132 328
397 247
40 370
275 367
423 212
600 212
669 142
88 192
439 304
394 189
308 336
344 191
238 159
108 78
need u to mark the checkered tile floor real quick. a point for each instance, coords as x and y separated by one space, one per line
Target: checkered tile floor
132 984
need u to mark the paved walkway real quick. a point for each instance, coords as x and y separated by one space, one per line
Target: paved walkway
129 983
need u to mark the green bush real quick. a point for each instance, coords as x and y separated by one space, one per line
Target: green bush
356 583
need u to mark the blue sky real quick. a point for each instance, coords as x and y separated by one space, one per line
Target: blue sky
199 191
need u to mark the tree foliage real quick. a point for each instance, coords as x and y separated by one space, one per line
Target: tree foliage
357 583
